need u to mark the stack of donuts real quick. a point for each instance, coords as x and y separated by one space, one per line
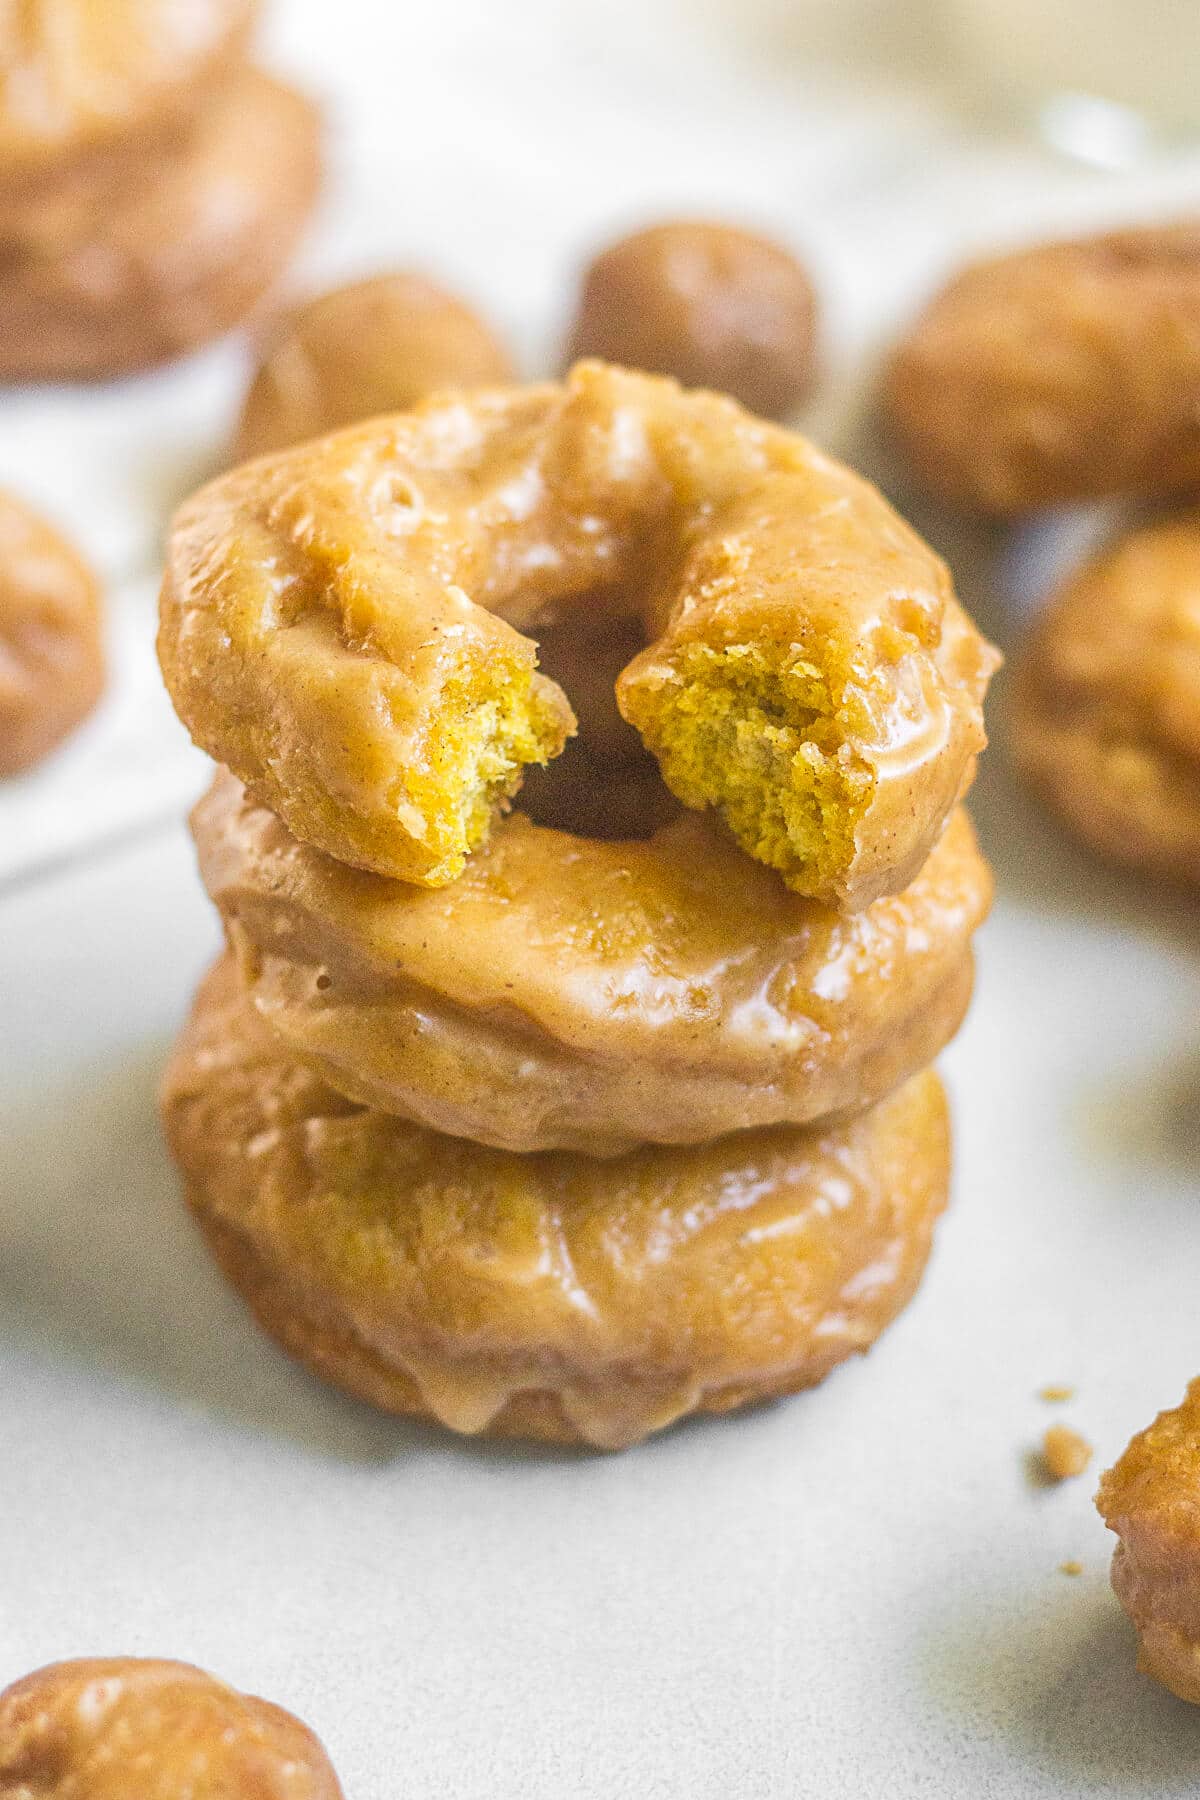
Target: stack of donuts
152 182
567 1109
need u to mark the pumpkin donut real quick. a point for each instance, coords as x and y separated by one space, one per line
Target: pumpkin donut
85 80
710 304
1063 372
1106 720
566 993
342 625
548 1296
373 346
179 251
51 644
111 1728
1151 1499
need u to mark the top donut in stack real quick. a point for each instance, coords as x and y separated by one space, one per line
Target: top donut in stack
731 1005
152 182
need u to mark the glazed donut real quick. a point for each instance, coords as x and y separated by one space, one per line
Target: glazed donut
550 1296
375 346
714 306
112 1728
82 78
572 994
51 646
342 625
179 251
1151 1499
1063 372
1106 718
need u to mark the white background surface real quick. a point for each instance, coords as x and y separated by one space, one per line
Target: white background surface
855 1593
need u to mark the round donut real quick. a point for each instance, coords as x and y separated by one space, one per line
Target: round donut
1106 718
550 1296
179 252
82 78
1064 372
712 305
51 644
375 346
342 625
112 1728
1151 1499
566 993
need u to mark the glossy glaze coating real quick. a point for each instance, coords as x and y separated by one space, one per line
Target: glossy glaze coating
51 645
1064 372
79 78
545 1296
375 346
1151 1499
124 1728
714 306
180 250
342 624
1106 720
566 993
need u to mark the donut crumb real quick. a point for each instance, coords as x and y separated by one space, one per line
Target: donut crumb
1064 1453
1070 1567
1056 1392
765 739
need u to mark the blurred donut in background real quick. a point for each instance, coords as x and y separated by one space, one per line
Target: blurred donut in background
112 1728
51 648
712 305
373 346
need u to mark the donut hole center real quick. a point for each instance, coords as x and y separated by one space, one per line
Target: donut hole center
605 785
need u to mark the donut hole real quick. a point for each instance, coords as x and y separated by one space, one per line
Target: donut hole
591 799
585 652
605 785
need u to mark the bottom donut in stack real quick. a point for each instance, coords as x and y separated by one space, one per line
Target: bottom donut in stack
554 1296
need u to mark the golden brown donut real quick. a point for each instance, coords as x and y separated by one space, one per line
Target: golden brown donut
82 78
714 306
342 625
571 994
1064 372
51 643
545 1296
179 253
1151 1499
375 346
1106 720
128 1728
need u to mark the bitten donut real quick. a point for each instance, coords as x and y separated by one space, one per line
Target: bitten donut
127 1728
181 249
51 647
552 1297
566 993
80 79
342 625
1106 720
1064 372
714 306
376 346
1151 1499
